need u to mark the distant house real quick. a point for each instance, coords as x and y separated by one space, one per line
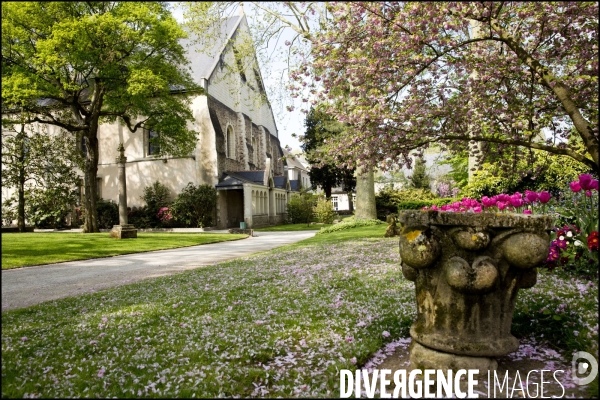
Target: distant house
297 170
238 149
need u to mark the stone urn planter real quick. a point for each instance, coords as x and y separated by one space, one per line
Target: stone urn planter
468 269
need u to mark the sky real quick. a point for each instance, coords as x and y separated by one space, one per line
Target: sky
288 123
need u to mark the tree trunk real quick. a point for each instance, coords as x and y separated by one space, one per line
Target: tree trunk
21 203
365 194
90 175
327 190
21 185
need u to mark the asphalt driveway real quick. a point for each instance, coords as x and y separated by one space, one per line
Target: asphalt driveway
22 287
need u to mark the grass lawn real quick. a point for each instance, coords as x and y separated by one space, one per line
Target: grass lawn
278 323
22 249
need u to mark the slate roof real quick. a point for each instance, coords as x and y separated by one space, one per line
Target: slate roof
279 181
203 64
295 185
236 179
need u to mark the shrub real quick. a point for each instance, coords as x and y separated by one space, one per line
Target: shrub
323 211
353 223
195 206
140 217
9 211
419 178
48 208
300 208
108 213
156 197
388 200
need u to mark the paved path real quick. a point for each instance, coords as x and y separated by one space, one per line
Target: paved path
22 287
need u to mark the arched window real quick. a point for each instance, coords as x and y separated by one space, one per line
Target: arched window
253 202
230 142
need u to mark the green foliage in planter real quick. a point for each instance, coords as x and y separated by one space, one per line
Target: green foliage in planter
323 211
418 204
300 208
195 205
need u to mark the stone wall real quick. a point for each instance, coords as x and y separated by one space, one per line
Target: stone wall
222 117
260 221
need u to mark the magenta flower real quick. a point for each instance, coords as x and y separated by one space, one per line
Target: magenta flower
516 201
526 211
544 197
531 197
588 193
504 197
501 205
585 180
487 202
594 184
477 209
575 186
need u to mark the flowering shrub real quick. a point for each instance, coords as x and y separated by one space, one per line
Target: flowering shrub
164 215
575 245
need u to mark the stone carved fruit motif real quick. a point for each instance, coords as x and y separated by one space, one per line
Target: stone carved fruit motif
419 248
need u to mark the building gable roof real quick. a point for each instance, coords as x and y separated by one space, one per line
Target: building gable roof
204 64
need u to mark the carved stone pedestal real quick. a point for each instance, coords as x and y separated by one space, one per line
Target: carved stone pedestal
467 269
127 231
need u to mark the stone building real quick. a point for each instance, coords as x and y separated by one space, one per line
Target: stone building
238 149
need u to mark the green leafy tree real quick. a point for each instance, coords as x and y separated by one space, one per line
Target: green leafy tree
31 160
195 205
320 127
419 178
300 207
323 211
77 65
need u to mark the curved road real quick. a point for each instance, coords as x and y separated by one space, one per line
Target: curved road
22 287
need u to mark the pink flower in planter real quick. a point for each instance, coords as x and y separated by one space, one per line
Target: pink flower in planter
544 197
585 180
594 184
501 205
575 186
531 197
588 193
503 197
526 211
487 202
516 200
477 209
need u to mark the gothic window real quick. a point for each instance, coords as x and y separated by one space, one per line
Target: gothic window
230 142
254 151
